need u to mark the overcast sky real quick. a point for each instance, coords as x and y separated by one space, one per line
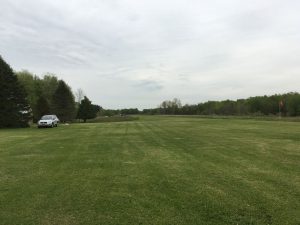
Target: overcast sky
137 53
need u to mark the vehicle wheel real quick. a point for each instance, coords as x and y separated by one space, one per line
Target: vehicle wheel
56 125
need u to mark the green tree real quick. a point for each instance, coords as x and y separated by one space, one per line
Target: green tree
63 103
42 107
32 85
36 87
28 80
49 84
87 110
14 108
170 107
293 104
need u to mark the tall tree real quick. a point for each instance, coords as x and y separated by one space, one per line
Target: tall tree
49 84
42 107
29 81
14 108
32 85
63 103
87 110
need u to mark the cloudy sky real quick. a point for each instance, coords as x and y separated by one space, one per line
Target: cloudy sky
137 53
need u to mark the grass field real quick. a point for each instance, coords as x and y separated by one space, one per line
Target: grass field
155 170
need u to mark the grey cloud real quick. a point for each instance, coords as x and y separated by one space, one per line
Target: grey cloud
196 50
149 85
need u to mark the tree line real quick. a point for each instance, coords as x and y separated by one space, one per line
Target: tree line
119 112
25 97
279 104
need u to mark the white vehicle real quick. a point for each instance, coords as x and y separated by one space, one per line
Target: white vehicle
48 121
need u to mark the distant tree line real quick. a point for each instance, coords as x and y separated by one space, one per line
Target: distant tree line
25 97
283 104
119 112
280 104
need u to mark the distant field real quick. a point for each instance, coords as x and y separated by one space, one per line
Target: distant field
155 170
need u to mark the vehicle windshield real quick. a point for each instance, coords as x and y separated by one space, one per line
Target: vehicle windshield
47 118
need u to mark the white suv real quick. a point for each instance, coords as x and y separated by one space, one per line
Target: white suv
48 121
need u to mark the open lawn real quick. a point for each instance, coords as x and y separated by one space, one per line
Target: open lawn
155 170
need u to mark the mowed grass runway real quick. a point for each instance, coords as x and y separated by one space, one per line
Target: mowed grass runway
156 170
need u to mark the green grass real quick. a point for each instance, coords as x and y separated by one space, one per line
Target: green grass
156 170
103 119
